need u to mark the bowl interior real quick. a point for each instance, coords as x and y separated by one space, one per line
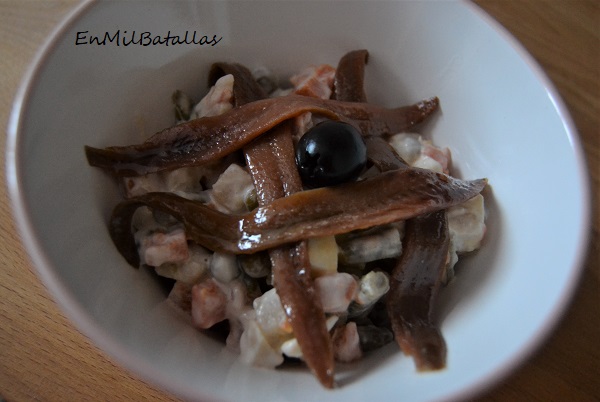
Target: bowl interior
498 115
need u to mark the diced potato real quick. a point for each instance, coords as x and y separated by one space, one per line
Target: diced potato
191 270
291 347
336 291
232 190
427 162
218 100
272 318
323 255
466 223
407 145
369 247
134 186
372 287
184 181
421 153
256 350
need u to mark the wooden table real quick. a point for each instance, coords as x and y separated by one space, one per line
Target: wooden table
43 357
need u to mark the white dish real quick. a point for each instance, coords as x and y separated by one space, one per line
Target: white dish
499 114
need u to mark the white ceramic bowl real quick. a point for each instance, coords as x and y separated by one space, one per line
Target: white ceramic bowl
499 114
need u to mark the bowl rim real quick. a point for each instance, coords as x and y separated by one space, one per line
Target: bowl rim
84 323
40 262
556 315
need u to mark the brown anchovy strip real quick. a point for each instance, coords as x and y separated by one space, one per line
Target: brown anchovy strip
210 138
416 278
348 84
414 285
385 198
388 197
270 160
302 304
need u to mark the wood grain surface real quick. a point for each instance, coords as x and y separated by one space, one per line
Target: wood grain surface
44 358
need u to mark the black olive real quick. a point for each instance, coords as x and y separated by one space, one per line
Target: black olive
330 153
